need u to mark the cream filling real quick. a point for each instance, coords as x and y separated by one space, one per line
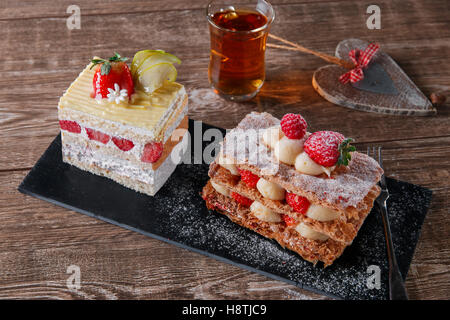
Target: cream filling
321 213
273 191
286 150
304 164
221 189
136 151
309 233
270 190
266 214
259 210
263 213
123 167
138 148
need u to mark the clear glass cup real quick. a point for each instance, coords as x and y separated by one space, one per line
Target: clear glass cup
238 44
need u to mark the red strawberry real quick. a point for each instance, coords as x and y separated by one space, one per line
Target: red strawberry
110 72
328 148
97 135
241 199
70 126
152 152
123 144
298 203
249 178
288 220
293 126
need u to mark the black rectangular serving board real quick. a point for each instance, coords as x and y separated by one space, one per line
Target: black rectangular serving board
177 214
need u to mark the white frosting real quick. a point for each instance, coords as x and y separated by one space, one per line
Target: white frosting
117 95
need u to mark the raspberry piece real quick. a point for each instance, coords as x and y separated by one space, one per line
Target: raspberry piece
97 136
152 152
70 126
323 147
298 203
241 199
293 126
288 220
123 144
249 178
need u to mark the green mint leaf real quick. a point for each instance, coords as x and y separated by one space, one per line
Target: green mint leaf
345 150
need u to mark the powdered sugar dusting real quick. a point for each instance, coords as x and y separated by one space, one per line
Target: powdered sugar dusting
346 188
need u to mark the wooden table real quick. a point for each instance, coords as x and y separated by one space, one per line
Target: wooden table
41 56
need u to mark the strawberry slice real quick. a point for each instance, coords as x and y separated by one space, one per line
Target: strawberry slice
298 203
152 152
289 221
71 126
241 199
249 178
97 136
123 144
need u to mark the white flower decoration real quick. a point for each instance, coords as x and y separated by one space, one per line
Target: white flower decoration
117 95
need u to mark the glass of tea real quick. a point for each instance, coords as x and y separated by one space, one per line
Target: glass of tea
238 43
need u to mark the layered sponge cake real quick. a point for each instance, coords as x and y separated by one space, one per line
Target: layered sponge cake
128 126
311 192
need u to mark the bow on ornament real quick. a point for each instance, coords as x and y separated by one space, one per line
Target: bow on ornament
361 60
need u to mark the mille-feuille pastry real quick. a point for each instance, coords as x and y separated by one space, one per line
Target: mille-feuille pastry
126 125
309 191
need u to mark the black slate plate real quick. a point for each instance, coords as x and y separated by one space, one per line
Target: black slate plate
177 214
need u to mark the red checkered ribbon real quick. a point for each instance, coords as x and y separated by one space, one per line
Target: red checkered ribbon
361 60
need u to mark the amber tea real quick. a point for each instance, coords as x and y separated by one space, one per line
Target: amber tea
238 40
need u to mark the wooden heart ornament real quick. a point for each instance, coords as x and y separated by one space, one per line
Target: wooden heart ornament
403 97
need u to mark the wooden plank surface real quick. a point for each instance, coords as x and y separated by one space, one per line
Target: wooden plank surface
40 57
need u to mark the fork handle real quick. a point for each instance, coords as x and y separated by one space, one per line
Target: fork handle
396 287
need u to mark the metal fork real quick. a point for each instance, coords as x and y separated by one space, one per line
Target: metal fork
396 287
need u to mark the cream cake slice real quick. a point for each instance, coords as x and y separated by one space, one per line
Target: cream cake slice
134 139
